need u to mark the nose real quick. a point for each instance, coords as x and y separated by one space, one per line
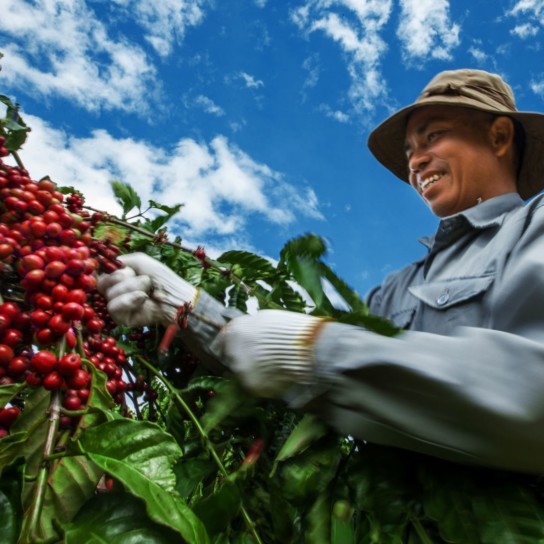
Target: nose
417 161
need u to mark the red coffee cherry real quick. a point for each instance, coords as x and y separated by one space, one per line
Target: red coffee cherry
43 362
68 364
53 381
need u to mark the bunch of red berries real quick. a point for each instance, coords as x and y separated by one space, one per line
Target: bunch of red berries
50 250
4 151
74 203
108 357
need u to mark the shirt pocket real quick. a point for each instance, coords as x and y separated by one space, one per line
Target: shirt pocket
453 302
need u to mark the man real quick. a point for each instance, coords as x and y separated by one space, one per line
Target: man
465 380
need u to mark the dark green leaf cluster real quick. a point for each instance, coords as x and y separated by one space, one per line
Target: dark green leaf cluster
12 126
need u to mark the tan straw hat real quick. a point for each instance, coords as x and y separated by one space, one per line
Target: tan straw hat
470 89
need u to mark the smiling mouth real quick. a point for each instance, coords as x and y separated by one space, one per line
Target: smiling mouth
427 182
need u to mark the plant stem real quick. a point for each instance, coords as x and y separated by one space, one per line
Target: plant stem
28 533
178 399
420 530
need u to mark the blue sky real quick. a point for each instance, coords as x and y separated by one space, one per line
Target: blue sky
253 113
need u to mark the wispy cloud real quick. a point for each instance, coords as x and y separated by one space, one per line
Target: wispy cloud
250 81
208 105
538 87
478 54
524 31
220 185
164 22
54 48
426 30
337 115
532 8
532 14
358 37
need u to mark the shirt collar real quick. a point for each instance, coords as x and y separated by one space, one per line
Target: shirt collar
485 215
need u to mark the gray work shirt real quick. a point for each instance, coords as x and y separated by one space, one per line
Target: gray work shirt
465 381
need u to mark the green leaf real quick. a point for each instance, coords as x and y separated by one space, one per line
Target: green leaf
342 528
479 506
351 297
116 518
308 430
238 297
10 507
71 481
308 275
285 296
190 473
126 196
305 476
141 455
229 400
309 245
15 128
218 509
318 521
253 266
11 448
33 420
8 392
206 383
168 210
373 323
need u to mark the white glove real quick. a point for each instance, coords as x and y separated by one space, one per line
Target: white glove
270 350
144 292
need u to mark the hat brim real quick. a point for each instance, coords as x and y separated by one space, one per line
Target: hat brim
387 141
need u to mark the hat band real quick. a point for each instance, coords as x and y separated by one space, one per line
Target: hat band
471 91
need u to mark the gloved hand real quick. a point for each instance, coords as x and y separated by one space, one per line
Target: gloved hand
144 292
270 350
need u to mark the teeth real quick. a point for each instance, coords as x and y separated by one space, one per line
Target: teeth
429 181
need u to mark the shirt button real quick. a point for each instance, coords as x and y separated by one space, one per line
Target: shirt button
443 298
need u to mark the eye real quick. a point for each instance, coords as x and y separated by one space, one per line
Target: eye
434 135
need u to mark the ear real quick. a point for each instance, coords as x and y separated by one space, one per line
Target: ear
501 133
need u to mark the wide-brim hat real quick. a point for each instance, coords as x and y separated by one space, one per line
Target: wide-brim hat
475 89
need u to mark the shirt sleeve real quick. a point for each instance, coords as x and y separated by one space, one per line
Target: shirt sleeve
476 396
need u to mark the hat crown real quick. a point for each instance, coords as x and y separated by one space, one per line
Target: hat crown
478 85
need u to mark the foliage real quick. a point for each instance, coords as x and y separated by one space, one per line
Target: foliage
184 456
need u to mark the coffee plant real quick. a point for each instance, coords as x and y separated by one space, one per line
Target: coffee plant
118 436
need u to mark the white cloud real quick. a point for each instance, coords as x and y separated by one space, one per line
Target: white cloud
478 54
164 21
426 30
260 3
209 106
337 115
538 87
533 8
55 47
532 14
60 48
220 185
250 81
358 37
526 30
